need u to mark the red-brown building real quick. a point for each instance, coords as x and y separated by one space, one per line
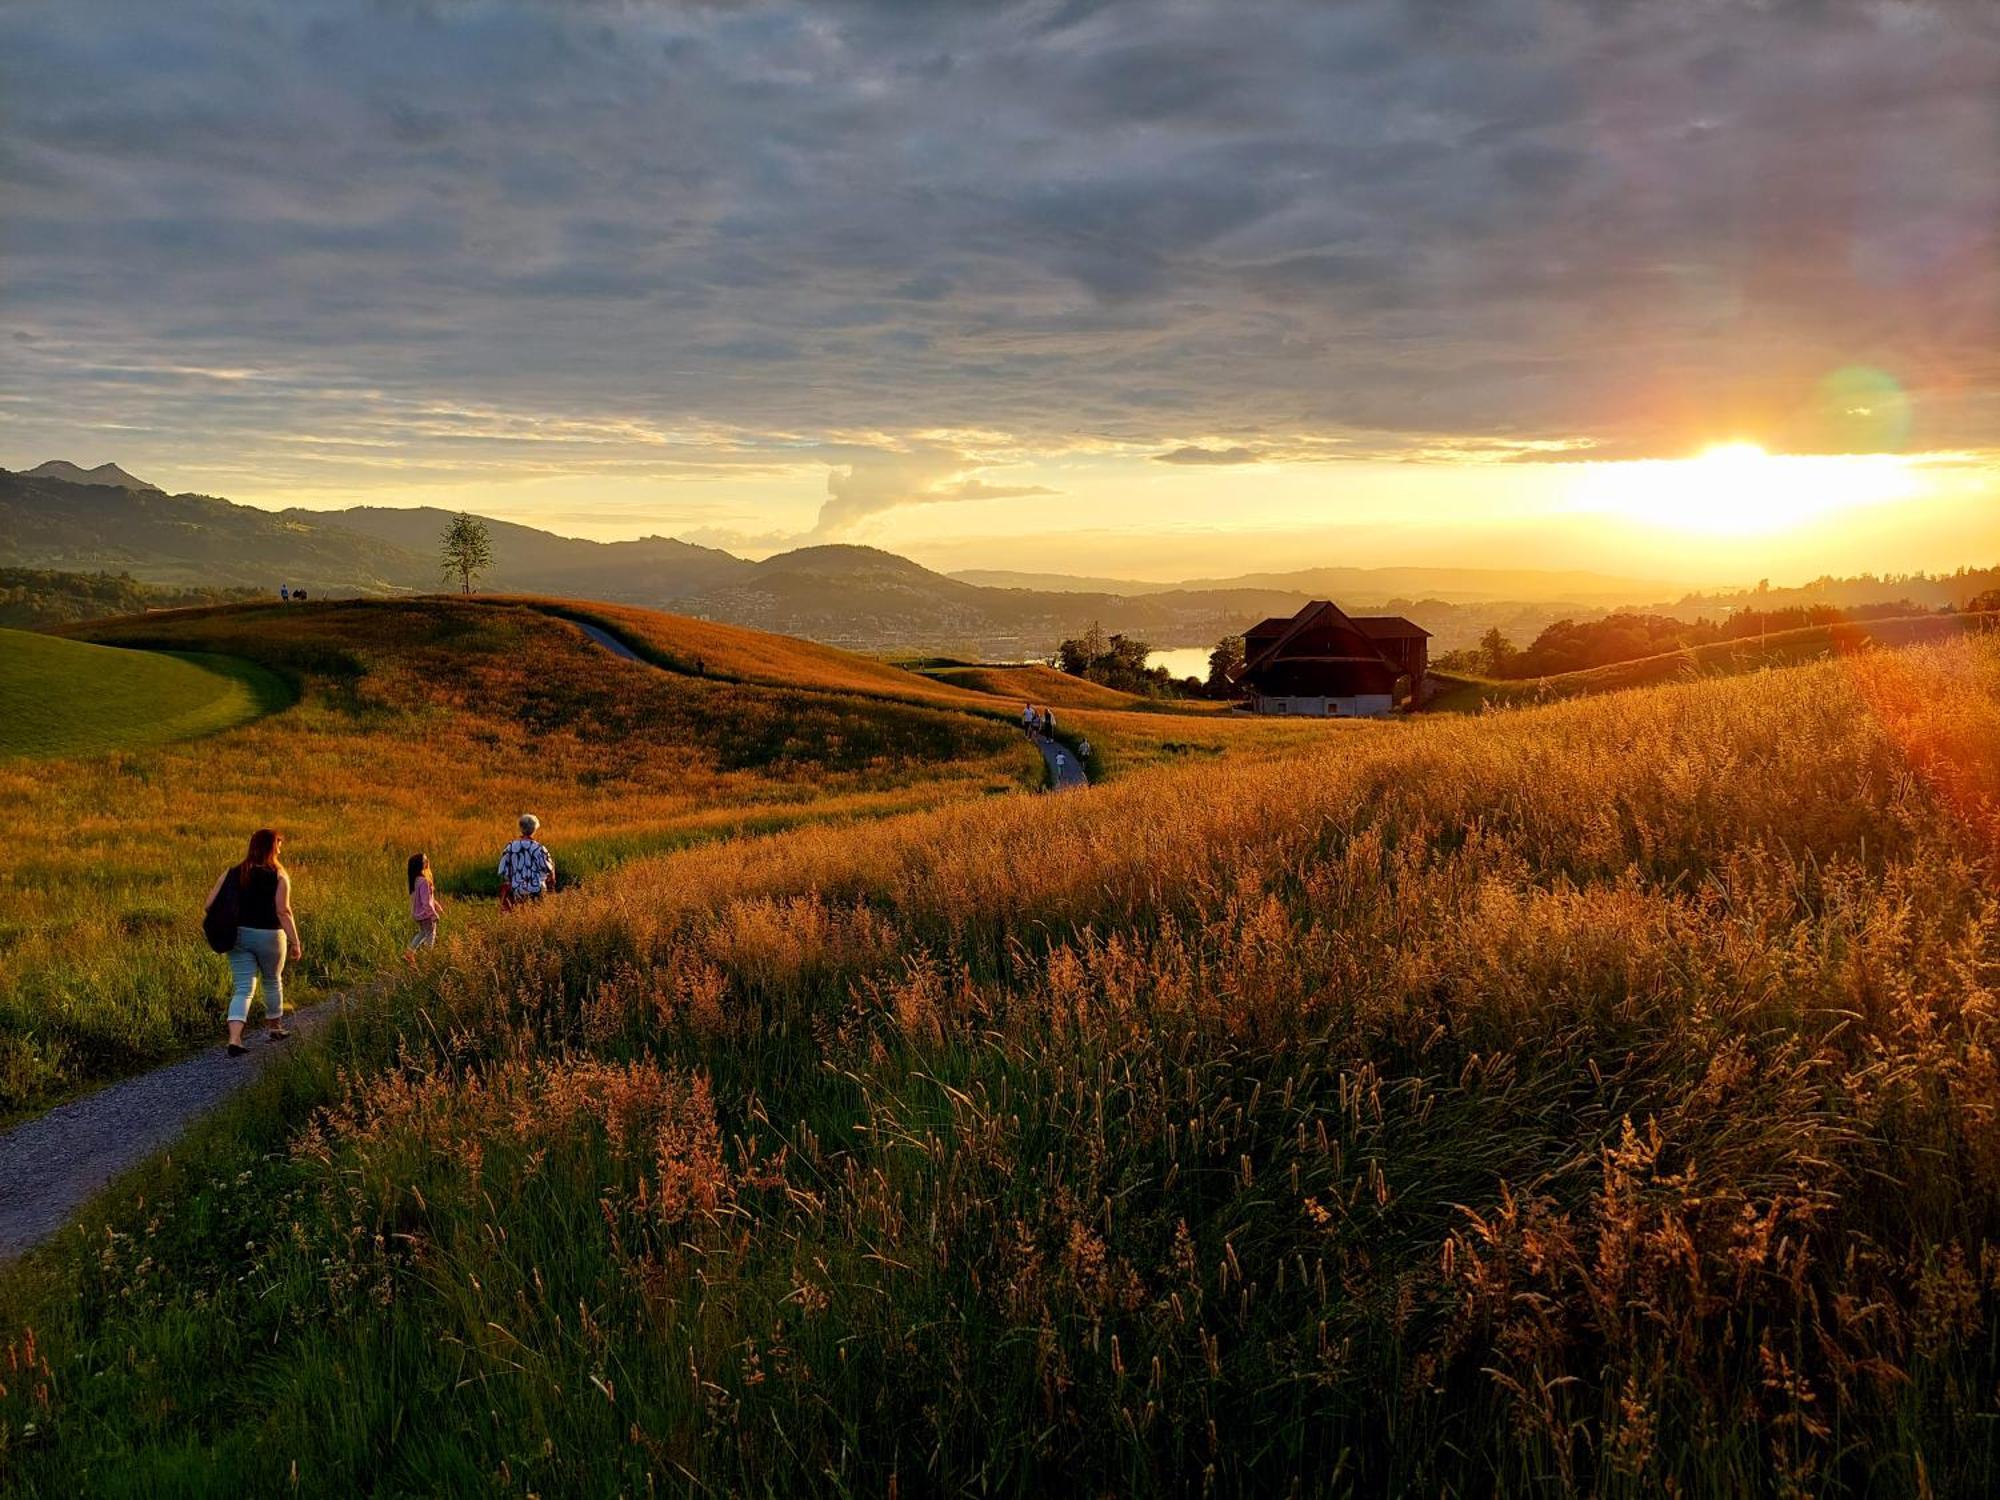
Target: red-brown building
1323 662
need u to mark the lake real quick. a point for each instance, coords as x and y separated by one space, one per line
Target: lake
1183 661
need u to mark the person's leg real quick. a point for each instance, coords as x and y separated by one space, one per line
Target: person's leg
271 960
243 977
429 932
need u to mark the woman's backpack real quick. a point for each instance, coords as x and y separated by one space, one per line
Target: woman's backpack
220 921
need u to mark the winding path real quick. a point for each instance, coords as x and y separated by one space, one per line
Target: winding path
54 1164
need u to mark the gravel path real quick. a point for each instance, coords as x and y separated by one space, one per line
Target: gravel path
53 1165
608 641
1065 770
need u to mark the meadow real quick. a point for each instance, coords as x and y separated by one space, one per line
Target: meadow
62 697
1593 1099
427 725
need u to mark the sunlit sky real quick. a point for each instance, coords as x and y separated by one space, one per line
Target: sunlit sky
1698 292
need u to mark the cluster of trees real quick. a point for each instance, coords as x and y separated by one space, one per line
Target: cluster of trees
1114 661
35 598
1119 661
1572 645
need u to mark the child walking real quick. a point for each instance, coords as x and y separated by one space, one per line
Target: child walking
423 907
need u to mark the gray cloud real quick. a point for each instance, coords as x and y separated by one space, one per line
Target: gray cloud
1495 220
1192 453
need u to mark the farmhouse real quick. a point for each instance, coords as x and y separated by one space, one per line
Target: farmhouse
1324 662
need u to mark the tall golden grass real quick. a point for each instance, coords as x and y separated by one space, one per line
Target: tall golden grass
1597 1099
427 725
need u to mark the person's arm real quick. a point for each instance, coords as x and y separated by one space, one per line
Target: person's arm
285 919
548 856
216 889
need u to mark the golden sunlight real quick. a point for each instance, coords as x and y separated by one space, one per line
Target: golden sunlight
1738 489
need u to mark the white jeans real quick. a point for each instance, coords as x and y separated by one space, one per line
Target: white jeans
259 951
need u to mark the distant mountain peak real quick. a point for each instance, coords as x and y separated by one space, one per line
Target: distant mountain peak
110 474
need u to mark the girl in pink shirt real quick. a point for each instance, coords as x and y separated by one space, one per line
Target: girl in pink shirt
423 907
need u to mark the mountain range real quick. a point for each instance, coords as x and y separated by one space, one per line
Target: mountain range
61 516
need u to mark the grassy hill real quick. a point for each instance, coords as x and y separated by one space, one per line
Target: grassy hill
194 540
67 698
427 724
1593 1099
1720 658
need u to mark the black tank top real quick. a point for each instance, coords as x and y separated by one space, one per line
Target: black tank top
257 900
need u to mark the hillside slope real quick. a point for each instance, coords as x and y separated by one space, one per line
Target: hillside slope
192 540
1582 1100
652 570
1719 658
68 698
426 725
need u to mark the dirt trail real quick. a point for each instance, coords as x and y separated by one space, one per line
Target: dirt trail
52 1165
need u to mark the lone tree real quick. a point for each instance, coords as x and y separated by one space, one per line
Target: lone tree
466 550
1496 652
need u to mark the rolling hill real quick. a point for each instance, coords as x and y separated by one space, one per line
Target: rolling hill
650 570
67 698
852 596
192 540
1785 648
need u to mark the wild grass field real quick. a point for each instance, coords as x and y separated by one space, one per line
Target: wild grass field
427 725
62 697
1597 1099
1783 648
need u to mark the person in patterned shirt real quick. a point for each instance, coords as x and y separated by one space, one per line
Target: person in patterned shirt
527 869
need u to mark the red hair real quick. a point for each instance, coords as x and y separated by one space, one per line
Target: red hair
263 854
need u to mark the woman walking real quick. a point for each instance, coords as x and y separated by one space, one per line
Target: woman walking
266 935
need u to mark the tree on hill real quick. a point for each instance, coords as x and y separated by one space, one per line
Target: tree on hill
1495 652
466 550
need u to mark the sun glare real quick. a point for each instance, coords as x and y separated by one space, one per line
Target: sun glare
1738 489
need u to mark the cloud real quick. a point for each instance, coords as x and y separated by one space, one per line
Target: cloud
875 481
1190 453
1381 226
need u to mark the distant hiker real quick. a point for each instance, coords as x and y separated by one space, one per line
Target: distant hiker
283 592
1028 717
527 869
423 907
1083 749
249 917
1049 722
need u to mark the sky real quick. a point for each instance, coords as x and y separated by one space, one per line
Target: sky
1144 288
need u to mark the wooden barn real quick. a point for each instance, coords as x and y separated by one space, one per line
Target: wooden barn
1323 662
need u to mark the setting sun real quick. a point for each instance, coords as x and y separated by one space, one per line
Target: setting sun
1738 489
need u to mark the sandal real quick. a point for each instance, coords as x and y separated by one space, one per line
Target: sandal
276 1033
237 1049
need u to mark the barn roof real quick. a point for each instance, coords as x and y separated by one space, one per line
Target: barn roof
1389 628
1275 646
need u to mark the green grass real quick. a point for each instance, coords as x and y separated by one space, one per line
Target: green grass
62 698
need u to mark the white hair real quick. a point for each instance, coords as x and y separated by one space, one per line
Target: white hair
529 823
